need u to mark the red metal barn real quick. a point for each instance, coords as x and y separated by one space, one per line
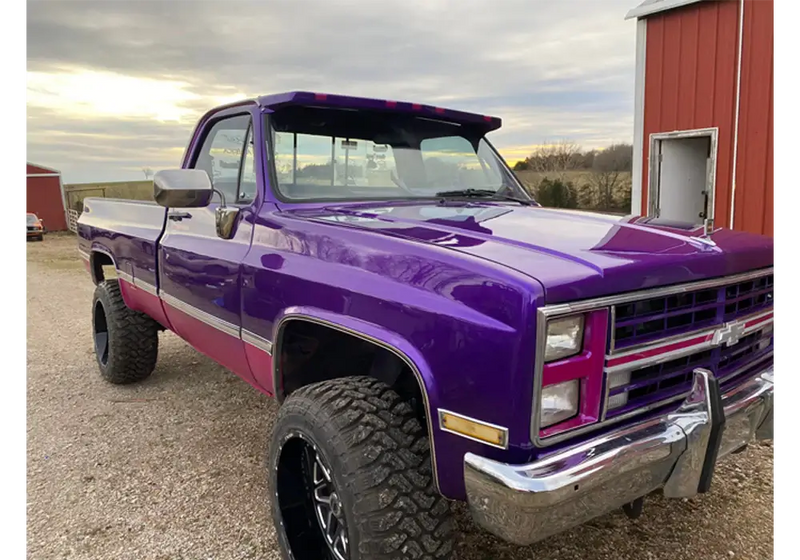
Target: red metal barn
703 112
46 196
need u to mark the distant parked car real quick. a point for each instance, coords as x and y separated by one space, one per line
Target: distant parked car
35 227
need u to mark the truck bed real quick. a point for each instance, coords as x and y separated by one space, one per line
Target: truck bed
127 232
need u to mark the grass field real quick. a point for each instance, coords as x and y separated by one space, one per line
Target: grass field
578 178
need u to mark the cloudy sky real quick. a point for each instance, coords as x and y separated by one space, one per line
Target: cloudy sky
117 85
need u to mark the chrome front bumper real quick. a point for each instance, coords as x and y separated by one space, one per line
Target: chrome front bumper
676 452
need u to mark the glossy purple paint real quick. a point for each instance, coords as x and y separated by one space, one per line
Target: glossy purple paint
451 287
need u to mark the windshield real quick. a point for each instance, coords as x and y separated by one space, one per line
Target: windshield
325 154
31 219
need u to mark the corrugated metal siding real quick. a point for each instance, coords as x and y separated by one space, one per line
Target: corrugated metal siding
754 199
690 82
44 200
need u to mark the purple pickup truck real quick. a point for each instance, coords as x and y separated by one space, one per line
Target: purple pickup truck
433 333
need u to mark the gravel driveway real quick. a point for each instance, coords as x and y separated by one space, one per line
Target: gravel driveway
172 468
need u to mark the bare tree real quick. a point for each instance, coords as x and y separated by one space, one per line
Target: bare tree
609 169
556 157
552 161
148 173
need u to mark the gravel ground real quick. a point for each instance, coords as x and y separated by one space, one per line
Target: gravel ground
172 468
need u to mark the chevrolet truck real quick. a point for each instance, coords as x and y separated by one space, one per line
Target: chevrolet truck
431 332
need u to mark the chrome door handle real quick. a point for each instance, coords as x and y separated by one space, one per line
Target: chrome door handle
178 216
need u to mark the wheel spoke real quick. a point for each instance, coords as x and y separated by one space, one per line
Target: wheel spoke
325 472
340 543
326 503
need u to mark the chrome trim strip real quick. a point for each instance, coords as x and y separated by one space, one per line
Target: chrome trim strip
406 360
612 331
125 276
84 254
760 325
662 342
663 357
202 316
700 346
607 301
582 306
147 287
257 341
503 429
654 344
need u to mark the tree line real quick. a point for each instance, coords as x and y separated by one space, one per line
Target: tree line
564 175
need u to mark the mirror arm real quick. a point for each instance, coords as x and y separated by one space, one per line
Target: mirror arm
221 196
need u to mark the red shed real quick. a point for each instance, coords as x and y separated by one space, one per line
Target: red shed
46 196
703 112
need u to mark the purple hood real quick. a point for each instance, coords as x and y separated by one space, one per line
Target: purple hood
573 254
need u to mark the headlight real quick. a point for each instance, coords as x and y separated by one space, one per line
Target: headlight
559 402
564 338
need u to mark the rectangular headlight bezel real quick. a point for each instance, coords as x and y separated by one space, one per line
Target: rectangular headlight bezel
560 327
569 392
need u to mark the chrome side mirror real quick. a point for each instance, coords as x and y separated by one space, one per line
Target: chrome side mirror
226 219
182 188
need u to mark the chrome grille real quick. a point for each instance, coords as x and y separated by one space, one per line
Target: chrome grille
659 341
649 320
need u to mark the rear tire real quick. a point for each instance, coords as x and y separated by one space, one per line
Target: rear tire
376 460
125 341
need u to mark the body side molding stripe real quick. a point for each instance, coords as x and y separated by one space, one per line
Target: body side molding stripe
149 288
202 316
257 341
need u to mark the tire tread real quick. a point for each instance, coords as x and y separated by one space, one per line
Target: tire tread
386 464
132 338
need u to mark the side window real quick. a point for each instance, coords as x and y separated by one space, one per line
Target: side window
221 155
247 184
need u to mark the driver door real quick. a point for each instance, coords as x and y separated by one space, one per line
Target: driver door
200 272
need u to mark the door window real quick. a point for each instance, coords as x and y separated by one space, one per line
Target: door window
221 157
247 183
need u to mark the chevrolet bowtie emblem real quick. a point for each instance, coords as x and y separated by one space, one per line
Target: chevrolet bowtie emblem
729 334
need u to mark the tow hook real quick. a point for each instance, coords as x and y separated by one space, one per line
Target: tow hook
634 509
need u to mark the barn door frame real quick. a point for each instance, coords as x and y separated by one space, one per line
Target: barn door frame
654 167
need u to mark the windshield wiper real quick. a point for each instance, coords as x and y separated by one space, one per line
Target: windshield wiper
483 193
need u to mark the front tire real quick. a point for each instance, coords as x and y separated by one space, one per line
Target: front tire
125 341
350 477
